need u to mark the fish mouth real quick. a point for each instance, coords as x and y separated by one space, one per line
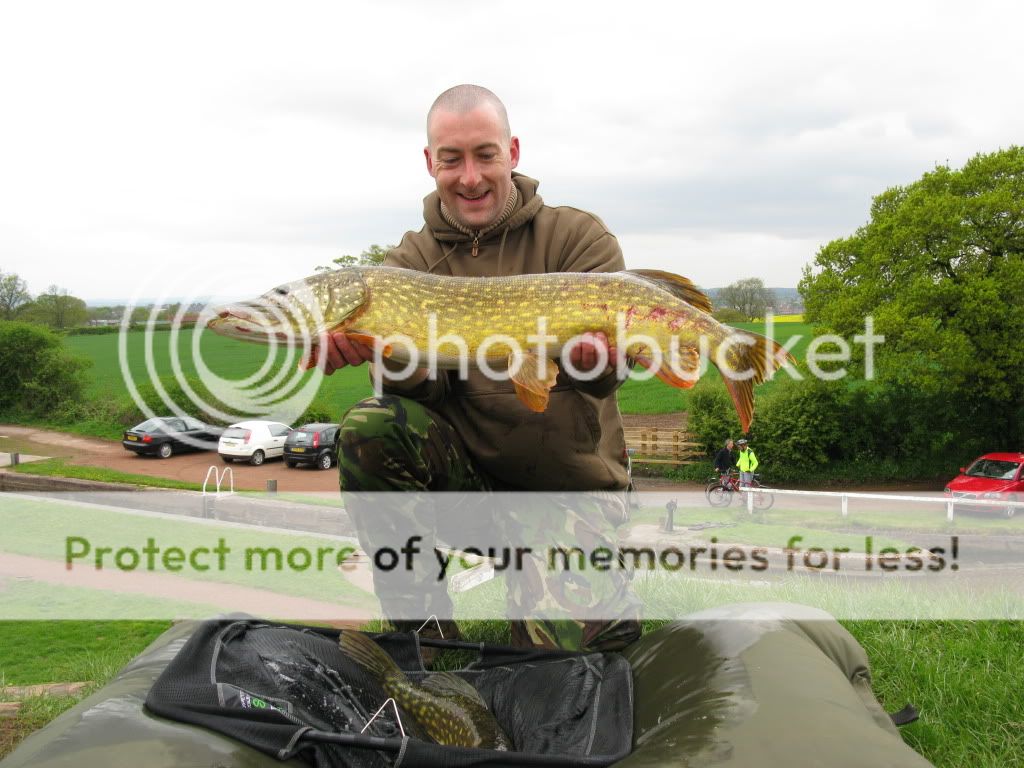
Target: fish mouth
241 320
259 321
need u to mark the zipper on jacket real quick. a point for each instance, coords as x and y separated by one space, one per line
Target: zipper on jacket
476 246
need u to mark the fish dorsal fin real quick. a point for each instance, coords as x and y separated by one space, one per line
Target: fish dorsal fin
678 286
446 684
362 650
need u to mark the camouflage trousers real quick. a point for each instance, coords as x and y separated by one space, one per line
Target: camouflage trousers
389 444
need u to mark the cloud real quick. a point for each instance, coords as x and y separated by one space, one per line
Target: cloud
268 139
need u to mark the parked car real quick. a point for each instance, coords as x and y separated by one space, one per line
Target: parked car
166 435
253 441
315 444
992 477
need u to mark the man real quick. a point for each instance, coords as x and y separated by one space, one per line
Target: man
453 434
746 461
724 458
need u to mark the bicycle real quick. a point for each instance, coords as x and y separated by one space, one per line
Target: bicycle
720 489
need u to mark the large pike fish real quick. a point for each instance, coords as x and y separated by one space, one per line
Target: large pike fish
473 320
446 707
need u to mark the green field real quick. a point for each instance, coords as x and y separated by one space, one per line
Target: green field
236 360
224 357
51 531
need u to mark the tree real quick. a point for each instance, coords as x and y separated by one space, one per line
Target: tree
729 315
13 295
37 374
940 268
371 257
57 309
748 297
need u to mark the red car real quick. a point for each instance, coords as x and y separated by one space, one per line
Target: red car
993 477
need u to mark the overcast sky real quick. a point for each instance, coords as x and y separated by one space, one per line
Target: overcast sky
207 148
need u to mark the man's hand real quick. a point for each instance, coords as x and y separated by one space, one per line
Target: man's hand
585 354
336 350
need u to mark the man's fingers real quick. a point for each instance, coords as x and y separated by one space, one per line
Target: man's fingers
589 356
350 352
333 358
586 354
310 361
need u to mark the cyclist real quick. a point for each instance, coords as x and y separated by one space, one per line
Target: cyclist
724 459
747 462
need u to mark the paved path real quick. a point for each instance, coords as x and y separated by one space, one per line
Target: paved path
226 597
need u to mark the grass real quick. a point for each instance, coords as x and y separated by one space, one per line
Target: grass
47 530
33 652
62 468
34 600
224 357
965 677
70 651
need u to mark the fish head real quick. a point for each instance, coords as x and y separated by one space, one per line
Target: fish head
296 313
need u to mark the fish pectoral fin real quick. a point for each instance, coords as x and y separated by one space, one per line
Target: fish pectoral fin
685 373
534 380
371 341
446 684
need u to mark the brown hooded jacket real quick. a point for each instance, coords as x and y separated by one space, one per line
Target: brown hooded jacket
577 443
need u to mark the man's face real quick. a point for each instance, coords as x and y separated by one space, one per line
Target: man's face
471 161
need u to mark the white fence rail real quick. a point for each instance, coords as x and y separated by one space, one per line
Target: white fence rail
950 502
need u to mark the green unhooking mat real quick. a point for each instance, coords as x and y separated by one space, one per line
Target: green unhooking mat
766 685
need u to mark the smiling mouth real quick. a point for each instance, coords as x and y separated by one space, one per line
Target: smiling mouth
477 198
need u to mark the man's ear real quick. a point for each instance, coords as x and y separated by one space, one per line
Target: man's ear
430 160
513 150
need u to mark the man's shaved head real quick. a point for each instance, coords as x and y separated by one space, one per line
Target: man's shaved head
460 99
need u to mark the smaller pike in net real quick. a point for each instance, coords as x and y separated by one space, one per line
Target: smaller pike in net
448 709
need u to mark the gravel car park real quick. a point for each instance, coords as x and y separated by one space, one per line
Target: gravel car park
164 436
253 441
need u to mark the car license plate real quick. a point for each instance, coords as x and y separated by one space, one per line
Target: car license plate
298 450
230 444
132 437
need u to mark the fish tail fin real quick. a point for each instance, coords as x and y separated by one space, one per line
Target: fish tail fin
362 650
748 363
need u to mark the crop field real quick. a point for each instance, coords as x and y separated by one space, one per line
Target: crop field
236 360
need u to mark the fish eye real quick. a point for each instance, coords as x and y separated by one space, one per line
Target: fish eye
281 291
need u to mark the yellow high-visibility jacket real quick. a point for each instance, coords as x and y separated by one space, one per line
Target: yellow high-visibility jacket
747 462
